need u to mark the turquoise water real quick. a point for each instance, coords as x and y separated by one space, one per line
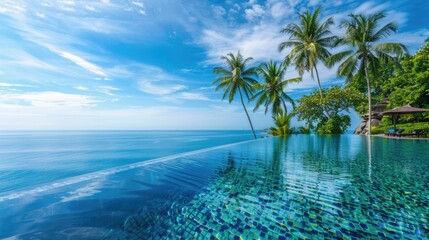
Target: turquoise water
302 186
49 156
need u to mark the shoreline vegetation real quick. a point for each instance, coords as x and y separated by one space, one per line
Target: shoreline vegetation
373 70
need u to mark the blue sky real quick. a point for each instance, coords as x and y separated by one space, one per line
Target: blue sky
137 64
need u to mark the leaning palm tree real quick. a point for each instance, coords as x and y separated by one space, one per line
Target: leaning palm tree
236 78
272 90
309 40
364 55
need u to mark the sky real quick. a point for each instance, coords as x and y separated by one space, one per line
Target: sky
140 64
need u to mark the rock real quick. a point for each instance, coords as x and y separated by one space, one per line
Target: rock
375 122
377 115
359 128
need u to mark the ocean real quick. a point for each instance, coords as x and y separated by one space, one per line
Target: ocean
28 159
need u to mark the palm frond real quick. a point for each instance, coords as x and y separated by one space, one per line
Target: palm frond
395 48
337 57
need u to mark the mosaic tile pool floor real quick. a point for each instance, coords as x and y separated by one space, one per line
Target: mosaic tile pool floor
314 187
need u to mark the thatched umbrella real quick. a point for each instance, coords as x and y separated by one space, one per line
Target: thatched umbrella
407 109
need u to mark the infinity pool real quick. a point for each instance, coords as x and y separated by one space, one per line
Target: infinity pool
274 188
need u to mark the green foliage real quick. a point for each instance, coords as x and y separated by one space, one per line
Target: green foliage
404 83
410 83
304 130
365 55
310 40
282 124
409 127
327 115
362 34
335 125
236 77
272 90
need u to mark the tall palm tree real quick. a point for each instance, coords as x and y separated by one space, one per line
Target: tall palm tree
310 40
272 90
236 78
365 55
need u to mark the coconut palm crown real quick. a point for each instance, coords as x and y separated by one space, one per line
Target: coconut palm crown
236 78
364 54
272 90
310 40
282 124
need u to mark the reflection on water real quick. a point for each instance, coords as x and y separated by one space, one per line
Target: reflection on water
369 141
294 187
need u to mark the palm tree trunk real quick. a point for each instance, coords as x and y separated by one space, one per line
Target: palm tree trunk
284 106
320 92
247 114
318 82
369 97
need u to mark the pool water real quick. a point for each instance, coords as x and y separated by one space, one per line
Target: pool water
301 186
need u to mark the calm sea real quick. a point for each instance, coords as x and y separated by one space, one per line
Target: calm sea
32 158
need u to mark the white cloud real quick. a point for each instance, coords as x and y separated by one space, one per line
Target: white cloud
254 12
49 99
40 15
83 63
138 4
90 8
11 7
178 97
370 8
250 3
159 89
4 84
82 88
108 90
413 39
194 96
280 9
218 10
260 42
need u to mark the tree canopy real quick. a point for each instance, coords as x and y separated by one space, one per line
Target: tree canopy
328 116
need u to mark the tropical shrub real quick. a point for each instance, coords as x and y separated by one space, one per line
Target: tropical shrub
335 125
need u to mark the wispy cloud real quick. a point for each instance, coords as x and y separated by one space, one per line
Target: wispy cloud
49 99
108 90
84 64
4 84
152 87
82 88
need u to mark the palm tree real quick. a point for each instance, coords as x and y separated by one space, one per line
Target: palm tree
282 124
271 91
364 55
310 40
236 77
